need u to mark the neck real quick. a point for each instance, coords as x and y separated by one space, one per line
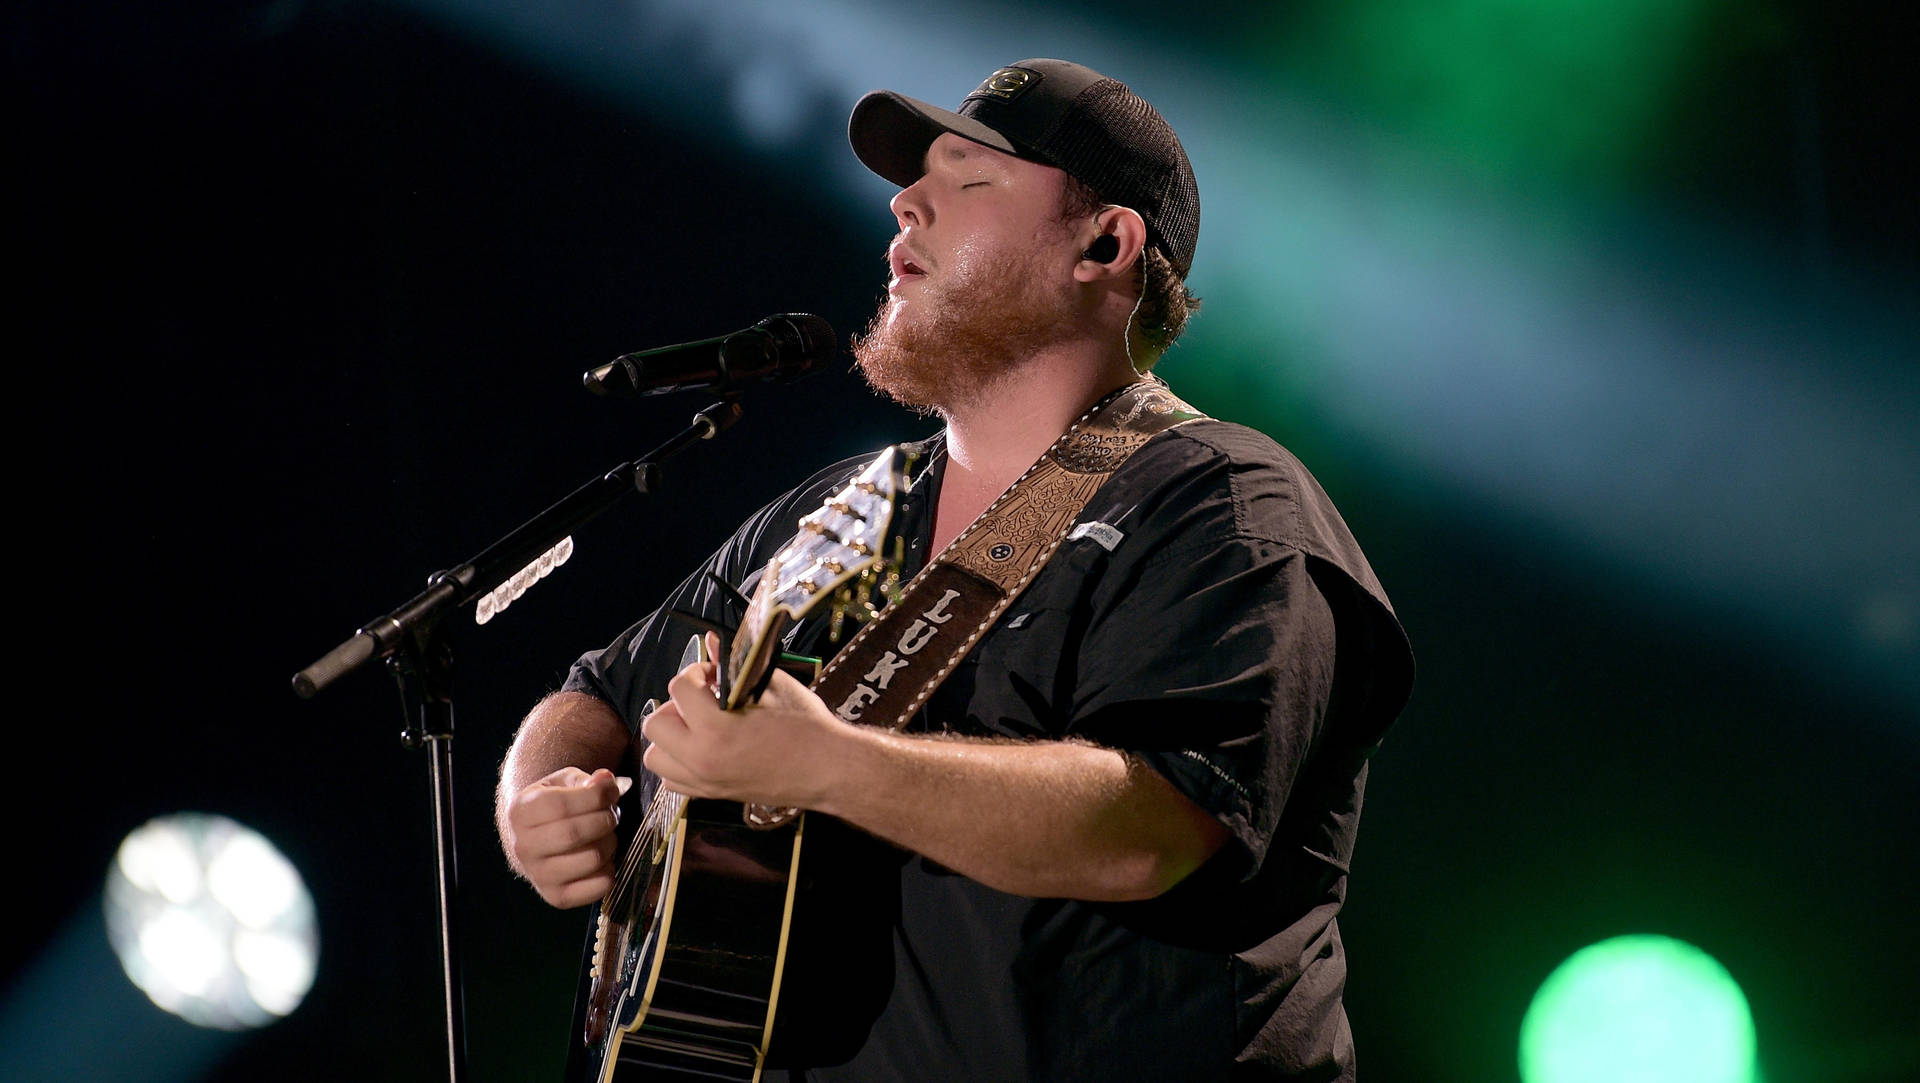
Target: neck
993 439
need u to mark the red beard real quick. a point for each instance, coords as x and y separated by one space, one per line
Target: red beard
962 334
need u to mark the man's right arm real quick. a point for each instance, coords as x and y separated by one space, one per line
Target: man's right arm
554 808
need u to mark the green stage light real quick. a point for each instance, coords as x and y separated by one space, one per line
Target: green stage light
1638 1009
1574 89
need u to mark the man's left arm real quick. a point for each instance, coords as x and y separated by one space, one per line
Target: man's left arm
1059 819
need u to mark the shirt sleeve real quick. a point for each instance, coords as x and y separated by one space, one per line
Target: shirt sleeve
1212 661
637 665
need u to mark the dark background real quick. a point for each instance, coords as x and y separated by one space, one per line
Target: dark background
307 289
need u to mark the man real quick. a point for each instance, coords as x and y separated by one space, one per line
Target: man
1123 822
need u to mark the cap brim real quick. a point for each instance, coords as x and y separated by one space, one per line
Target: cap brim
891 132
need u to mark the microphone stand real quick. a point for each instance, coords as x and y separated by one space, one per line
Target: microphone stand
418 652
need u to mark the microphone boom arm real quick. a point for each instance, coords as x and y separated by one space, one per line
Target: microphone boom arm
381 637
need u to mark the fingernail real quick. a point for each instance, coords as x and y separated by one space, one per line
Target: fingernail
624 783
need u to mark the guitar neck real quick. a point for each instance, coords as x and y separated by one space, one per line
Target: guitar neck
742 675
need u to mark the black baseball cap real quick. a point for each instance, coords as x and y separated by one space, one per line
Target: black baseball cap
1058 113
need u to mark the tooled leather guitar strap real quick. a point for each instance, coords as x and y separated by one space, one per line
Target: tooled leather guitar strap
896 661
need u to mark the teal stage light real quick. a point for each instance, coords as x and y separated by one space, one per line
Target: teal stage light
1638 1009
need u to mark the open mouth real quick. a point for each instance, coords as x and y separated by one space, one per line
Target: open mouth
903 264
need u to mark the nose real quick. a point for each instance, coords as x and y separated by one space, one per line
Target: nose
909 205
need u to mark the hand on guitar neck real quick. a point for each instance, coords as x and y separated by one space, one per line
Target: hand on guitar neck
780 751
556 806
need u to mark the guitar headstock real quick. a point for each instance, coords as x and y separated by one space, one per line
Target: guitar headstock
845 539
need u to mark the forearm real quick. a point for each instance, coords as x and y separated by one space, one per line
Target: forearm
1048 819
566 729
1045 819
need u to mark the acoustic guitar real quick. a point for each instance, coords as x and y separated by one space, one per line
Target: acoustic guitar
695 940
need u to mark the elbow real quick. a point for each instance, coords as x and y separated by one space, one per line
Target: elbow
1187 838
1170 837
1148 873
1144 877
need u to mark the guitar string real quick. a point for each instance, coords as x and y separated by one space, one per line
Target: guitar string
650 829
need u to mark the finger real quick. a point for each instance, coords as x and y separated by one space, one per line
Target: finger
551 877
665 725
567 792
672 772
603 785
566 776
692 694
661 763
597 850
565 836
572 788
681 685
572 865
578 892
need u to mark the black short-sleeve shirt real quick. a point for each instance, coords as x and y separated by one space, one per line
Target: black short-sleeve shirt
1210 614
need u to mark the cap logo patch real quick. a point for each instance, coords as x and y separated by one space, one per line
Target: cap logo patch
1006 84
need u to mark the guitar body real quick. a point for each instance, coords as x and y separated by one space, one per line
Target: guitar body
718 952
698 992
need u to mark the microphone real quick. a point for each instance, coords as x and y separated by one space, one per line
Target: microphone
782 347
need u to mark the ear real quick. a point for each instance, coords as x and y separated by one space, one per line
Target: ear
1128 233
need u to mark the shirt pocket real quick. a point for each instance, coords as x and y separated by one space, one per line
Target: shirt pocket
1016 682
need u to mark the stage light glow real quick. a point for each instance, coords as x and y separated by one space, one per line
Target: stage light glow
770 99
252 882
211 921
1647 1009
1491 78
278 968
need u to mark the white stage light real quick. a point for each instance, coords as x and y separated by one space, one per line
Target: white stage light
211 921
